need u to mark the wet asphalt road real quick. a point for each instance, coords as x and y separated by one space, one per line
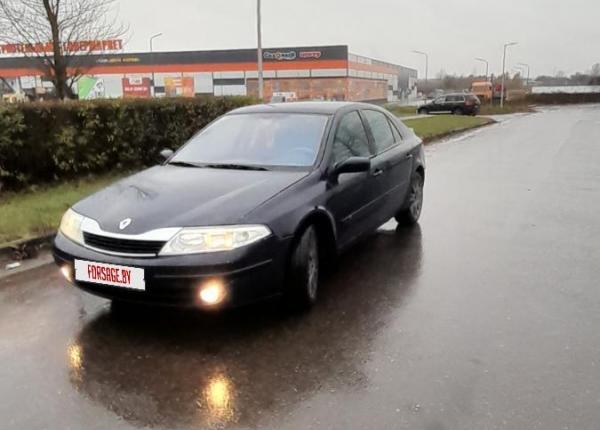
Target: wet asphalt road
485 317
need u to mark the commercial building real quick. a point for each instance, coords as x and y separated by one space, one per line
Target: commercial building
312 72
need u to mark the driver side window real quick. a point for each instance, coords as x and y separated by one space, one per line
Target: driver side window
350 139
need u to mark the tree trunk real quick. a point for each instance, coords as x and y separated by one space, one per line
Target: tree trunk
59 67
60 80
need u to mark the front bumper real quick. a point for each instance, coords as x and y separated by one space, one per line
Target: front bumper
249 274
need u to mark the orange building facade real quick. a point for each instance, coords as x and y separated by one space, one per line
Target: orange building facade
313 72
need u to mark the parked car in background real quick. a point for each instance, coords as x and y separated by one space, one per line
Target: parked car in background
284 97
249 208
455 103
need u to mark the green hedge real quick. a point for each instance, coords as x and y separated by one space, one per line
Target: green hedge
40 143
563 98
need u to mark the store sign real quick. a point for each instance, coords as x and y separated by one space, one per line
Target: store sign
291 55
126 59
90 88
310 54
84 46
136 87
280 55
179 87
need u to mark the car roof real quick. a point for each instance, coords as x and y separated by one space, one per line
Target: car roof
318 107
459 94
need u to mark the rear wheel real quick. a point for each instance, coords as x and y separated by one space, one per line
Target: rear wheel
422 111
412 211
303 271
457 111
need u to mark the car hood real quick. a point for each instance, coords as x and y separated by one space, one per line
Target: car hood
174 196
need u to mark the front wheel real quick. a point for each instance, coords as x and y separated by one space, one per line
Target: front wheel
303 271
422 112
412 211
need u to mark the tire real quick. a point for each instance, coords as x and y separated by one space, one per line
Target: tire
422 112
414 202
303 271
457 111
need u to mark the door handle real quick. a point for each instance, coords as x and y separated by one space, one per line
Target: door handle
377 172
408 156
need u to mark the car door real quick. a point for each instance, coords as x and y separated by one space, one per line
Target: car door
451 103
391 165
350 197
459 104
438 104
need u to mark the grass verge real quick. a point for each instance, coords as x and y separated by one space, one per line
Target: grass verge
33 213
487 109
443 125
402 110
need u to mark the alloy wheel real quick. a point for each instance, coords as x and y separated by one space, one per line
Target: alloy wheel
416 197
312 269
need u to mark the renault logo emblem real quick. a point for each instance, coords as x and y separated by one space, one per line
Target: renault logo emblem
124 224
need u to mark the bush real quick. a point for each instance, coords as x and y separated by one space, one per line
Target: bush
40 143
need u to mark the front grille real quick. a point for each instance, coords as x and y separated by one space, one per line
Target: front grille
123 246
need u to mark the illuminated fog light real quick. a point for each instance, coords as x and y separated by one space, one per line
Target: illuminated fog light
212 293
67 272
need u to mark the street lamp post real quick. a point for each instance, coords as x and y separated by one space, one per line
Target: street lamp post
487 66
525 65
506 45
152 58
259 51
426 63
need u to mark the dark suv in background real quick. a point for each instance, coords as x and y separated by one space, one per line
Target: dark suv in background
457 104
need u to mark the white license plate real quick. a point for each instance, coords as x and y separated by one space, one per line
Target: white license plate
110 274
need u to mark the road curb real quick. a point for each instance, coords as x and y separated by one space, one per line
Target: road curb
7 250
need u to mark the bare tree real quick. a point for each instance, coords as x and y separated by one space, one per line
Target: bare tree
58 33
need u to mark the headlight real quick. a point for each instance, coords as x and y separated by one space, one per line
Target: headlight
195 240
70 226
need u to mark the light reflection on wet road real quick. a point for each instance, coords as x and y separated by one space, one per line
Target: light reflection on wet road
484 317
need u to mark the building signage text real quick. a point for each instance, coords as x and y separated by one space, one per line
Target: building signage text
291 55
84 46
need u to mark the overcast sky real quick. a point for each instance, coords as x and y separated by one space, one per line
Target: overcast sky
553 35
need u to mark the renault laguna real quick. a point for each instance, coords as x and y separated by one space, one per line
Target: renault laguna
255 205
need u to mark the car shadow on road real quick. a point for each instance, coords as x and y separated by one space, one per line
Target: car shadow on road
171 368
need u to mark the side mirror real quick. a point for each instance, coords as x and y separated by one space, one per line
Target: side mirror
352 165
166 153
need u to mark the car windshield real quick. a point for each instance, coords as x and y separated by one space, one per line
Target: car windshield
265 139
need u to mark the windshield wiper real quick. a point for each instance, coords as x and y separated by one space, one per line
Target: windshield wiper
184 164
235 166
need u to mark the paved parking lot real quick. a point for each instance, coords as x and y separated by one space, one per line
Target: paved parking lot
487 316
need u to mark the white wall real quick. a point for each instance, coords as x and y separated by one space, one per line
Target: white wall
113 85
203 82
230 90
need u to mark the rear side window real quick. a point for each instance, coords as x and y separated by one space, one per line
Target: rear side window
350 139
381 129
397 137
